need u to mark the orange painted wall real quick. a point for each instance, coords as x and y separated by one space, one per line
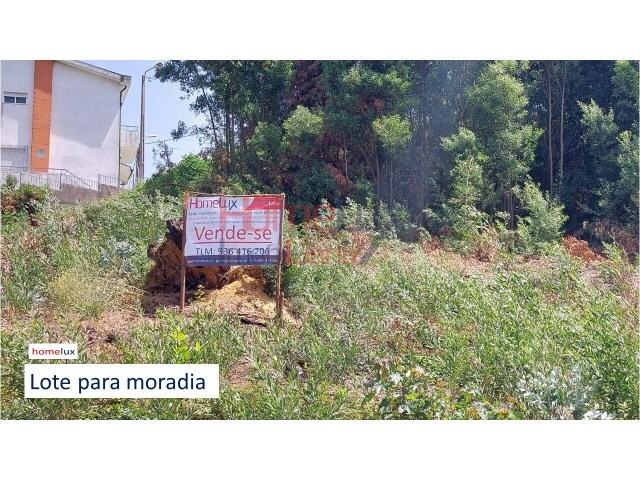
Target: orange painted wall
41 130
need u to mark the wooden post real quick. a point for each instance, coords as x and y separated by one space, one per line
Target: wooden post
279 294
183 266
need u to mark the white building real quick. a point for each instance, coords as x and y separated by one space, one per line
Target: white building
63 117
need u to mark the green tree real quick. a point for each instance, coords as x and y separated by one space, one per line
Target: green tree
550 84
434 102
543 222
162 156
497 115
191 173
233 96
465 200
392 131
609 176
266 147
625 94
357 94
599 167
556 89
394 134
600 136
302 129
619 197
315 185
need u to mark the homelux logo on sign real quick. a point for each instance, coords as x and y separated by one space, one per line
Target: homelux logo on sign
233 230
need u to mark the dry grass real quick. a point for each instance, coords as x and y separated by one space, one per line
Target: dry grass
580 249
89 292
238 375
104 333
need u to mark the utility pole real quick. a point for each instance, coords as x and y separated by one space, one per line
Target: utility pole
140 162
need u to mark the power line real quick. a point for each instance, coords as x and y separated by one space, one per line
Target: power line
172 139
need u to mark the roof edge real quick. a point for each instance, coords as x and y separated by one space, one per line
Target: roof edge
101 72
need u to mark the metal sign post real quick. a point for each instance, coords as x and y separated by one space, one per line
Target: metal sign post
279 294
183 266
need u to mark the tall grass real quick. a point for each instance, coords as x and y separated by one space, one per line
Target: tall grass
399 336
109 238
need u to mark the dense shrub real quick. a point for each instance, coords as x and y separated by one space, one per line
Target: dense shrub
384 222
356 216
407 230
191 173
315 184
25 198
542 226
88 291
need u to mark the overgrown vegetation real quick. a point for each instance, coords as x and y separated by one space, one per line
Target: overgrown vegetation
408 331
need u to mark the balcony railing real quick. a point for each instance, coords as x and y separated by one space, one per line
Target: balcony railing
129 136
56 178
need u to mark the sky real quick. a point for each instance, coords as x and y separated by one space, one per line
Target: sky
164 108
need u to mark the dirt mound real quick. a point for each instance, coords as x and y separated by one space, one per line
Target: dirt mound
244 295
431 245
580 249
241 293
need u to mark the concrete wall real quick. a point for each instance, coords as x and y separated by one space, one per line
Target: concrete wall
17 76
85 123
71 195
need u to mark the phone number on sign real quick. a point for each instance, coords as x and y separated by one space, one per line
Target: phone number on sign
233 251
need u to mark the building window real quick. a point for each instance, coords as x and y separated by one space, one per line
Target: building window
11 97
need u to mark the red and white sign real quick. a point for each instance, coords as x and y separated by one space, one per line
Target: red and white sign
233 230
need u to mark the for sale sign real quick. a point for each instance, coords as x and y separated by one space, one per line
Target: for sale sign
233 230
